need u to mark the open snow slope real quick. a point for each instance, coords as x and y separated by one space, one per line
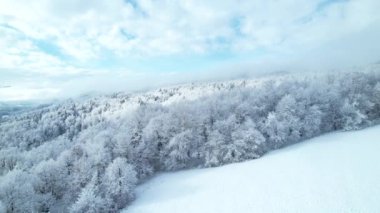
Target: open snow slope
338 172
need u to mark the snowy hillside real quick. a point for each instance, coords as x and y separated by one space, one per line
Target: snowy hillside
88 155
337 172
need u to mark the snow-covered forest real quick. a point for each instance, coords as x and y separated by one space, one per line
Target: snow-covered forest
334 172
88 155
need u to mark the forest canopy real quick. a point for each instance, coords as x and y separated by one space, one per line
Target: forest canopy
89 155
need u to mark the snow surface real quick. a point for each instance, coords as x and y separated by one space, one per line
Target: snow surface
338 172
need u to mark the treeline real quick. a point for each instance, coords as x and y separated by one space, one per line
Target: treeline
88 156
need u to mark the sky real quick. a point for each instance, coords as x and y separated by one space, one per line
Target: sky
64 48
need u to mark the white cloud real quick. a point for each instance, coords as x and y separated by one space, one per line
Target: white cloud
84 30
159 27
88 32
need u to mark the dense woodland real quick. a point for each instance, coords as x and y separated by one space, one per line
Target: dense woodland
88 155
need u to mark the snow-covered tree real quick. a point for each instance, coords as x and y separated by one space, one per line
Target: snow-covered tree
119 182
89 200
247 141
17 192
215 149
183 151
2 207
352 117
51 178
